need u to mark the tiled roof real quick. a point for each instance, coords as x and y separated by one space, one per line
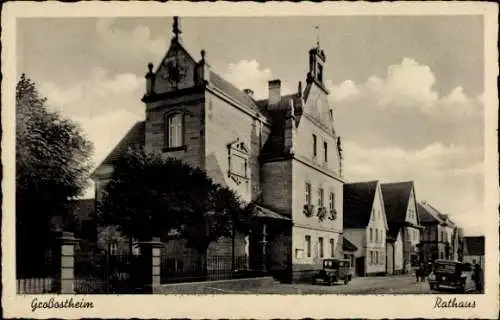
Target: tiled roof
474 245
134 137
274 147
262 212
235 93
84 209
396 197
358 202
428 214
348 245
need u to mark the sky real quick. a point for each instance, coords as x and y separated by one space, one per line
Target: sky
407 92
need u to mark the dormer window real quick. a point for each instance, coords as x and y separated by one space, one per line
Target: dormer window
174 132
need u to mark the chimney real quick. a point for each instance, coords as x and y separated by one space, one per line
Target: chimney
249 92
274 92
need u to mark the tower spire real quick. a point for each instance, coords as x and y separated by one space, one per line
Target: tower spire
176 29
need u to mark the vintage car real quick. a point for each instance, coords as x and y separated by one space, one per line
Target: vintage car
334 270
449 275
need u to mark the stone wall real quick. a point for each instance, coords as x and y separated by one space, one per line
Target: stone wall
191 106
225 124
277 186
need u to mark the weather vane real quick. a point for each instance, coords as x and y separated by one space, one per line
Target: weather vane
317 35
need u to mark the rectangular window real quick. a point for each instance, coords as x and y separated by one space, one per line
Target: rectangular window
174 130
315 150
320 197
332 201
321 251
325 150
376 257
113 249
371 257
308 246
371 235
332 248
376 235
308 193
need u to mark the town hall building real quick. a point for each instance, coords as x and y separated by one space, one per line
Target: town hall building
281 153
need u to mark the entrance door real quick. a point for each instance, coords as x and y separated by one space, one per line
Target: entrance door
360 266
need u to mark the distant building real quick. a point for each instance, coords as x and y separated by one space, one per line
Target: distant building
281 153
365 226
404 224
474 250
439 234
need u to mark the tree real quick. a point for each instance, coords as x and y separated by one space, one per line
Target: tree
149 196
52 165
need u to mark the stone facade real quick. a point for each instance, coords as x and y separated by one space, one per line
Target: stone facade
265 150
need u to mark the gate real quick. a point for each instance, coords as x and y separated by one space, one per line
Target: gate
99 271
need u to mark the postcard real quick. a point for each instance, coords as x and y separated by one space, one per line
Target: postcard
250 160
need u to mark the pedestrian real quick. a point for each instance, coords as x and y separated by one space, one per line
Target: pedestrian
477 275
423 274
418 272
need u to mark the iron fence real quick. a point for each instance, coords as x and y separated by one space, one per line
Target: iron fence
100 272
189 268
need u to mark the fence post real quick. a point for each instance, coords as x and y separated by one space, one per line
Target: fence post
64 262
150 264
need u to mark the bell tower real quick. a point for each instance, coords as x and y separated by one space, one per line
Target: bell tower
317 60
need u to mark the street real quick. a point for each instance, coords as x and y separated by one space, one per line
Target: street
402 284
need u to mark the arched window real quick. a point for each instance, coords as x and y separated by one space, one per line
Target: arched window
174 131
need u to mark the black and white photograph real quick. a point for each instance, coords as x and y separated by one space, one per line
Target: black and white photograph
171 154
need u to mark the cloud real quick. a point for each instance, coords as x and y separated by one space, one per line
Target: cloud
345 91
118 47
104 105
403 109
451 178
100 91
248 74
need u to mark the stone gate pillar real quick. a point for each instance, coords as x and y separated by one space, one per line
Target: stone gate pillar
150 264
63 258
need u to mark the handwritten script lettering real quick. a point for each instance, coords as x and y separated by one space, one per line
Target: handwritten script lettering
67 303
453 303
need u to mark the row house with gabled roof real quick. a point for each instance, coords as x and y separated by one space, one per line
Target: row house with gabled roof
403 241
365 226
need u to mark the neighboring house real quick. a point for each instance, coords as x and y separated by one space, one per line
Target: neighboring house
404 226
394 249
365 226
350 253
458 243
281 153
85 212
437 234
448 230
474 250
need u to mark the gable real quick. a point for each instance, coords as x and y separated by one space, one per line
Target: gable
411 210
318 107
176 70
378 213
